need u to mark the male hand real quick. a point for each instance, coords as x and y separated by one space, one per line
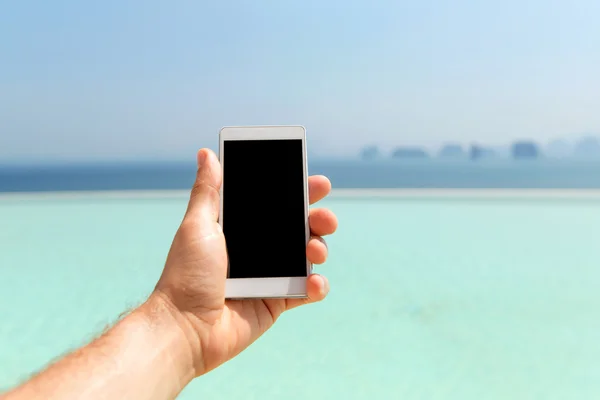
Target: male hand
193 280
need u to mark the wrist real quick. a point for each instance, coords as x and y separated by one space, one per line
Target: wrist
180 337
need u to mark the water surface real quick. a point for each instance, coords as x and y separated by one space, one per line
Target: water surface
431 299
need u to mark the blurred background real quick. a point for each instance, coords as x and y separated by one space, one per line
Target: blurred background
461 138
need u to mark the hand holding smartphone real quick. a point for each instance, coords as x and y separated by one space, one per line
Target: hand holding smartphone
264 211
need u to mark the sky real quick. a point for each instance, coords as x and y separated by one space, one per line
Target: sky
117 80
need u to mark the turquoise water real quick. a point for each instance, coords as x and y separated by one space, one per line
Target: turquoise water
431 298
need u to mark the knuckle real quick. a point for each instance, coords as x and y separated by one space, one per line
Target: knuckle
189 228
203 191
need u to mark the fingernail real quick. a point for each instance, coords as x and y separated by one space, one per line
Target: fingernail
201 158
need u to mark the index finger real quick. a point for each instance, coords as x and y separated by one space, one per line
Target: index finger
318 187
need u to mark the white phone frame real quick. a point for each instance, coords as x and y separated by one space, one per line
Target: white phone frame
284 287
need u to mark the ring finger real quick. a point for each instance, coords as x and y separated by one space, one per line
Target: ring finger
316 250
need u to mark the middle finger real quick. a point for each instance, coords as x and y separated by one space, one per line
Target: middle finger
322 221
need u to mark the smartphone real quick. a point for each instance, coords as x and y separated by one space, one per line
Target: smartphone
264 211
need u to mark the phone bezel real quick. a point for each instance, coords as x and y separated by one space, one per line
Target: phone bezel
284 287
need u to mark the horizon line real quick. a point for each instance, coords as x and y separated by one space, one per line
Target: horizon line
389 193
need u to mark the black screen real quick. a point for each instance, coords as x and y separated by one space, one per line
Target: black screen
263 208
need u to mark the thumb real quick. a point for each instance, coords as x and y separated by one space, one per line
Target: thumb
205 198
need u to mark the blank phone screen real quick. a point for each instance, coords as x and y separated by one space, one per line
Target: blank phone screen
263 208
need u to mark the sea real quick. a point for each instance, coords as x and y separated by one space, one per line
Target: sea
433 295
344 174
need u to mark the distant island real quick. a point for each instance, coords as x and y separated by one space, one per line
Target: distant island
409 152
525 150
452 150
478 152
586 148
370 153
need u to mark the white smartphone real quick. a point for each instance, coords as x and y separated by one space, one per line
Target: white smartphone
264 211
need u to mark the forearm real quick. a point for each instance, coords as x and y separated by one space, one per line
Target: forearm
147 355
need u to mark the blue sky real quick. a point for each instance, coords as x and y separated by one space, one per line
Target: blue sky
156 79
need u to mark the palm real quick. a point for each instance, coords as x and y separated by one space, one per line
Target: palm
246 320
240 324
